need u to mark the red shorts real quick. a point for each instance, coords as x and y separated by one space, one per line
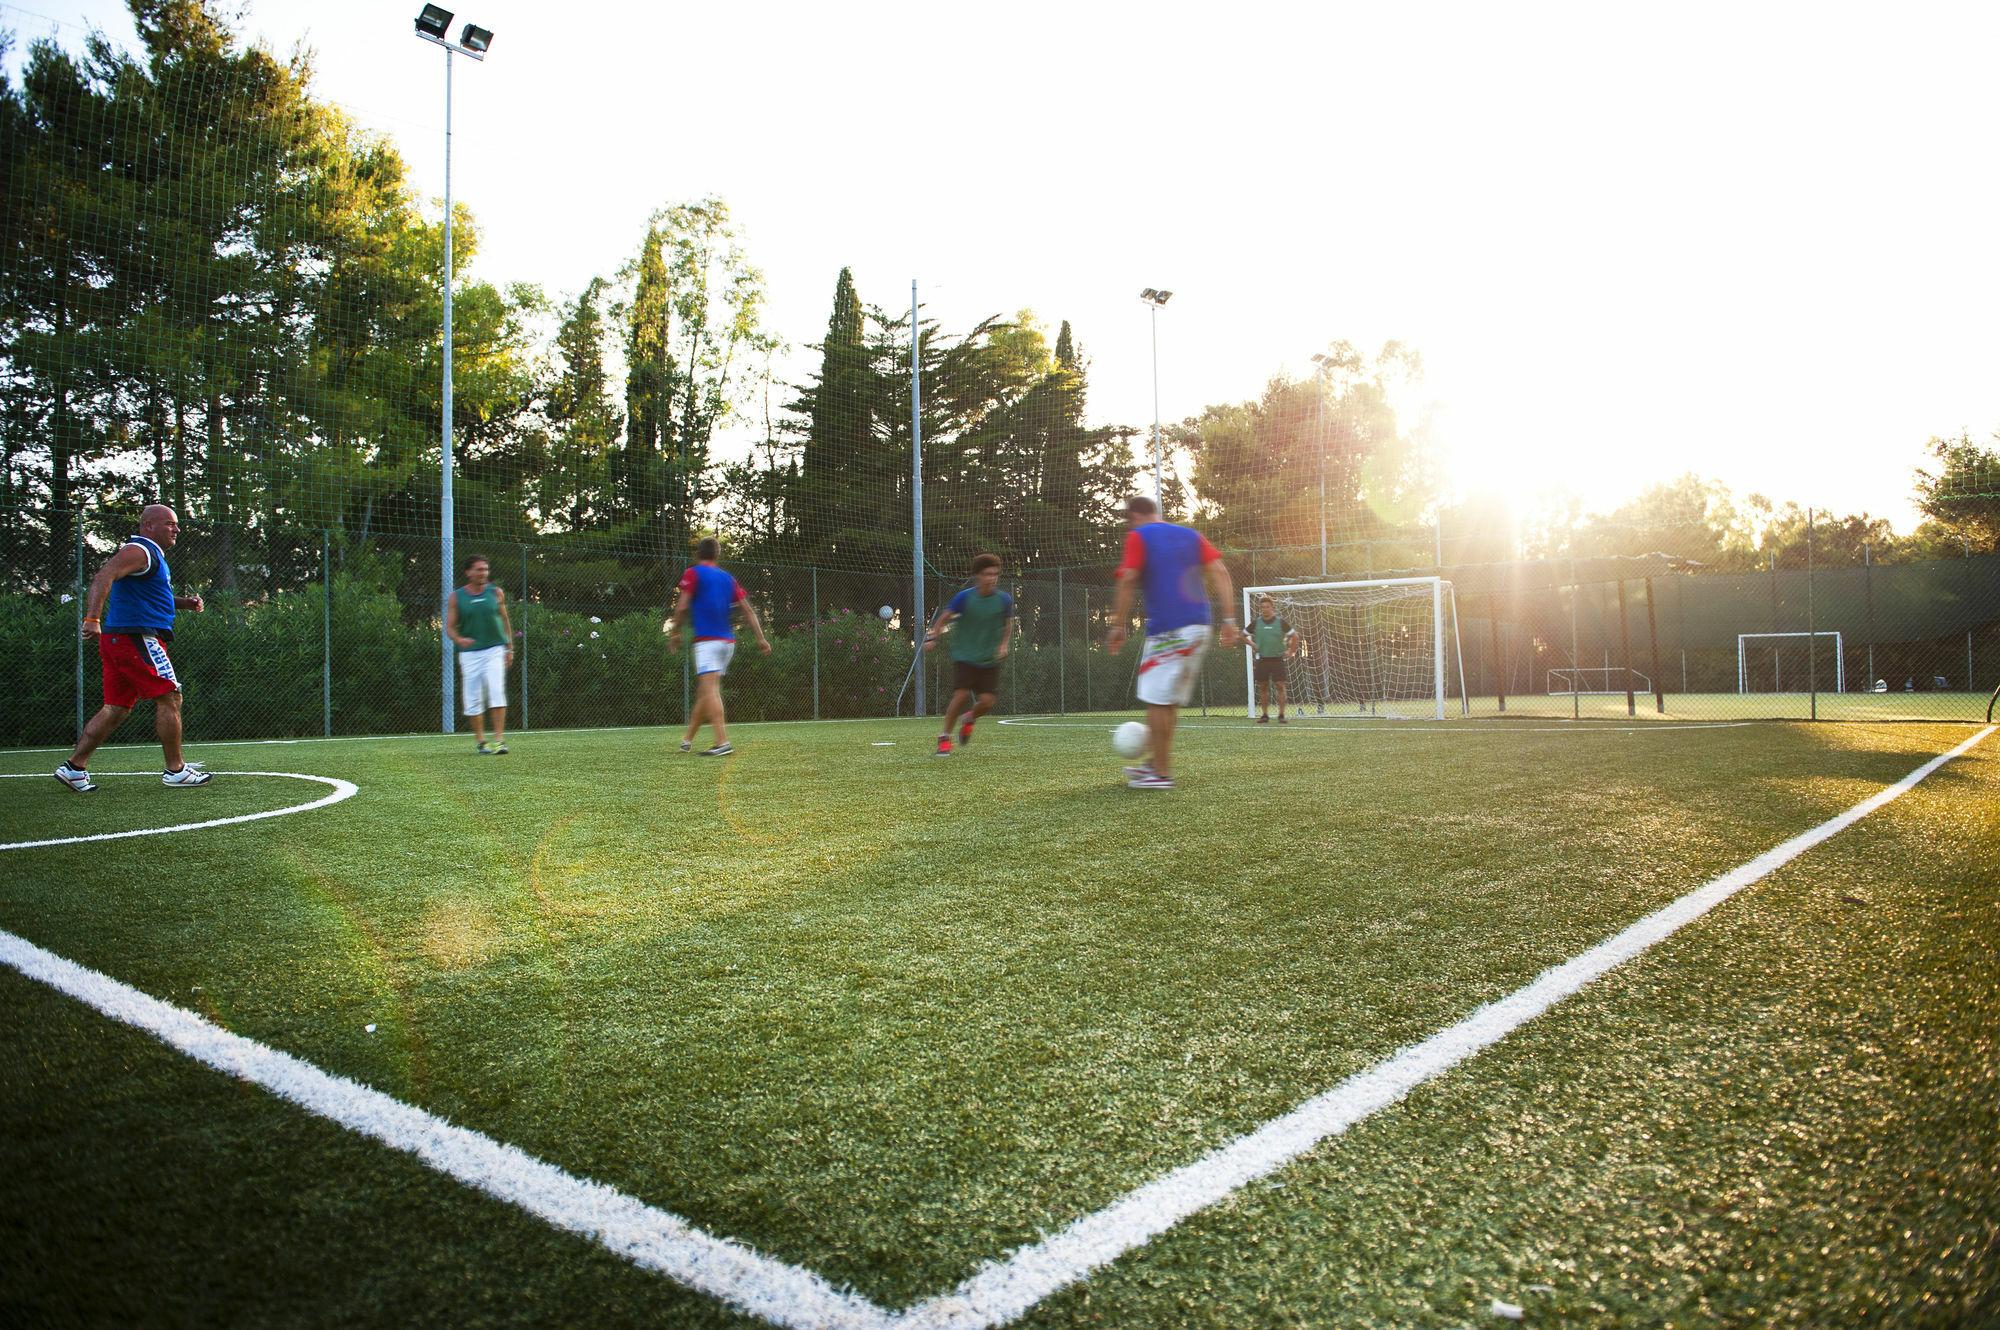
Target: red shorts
134 667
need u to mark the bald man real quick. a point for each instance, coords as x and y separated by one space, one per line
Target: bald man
134 594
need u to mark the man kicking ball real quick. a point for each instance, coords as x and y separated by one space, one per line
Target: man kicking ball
712 595
1178 570
984 619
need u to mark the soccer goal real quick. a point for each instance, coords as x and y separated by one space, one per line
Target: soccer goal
1787 662
1372 648
1593 680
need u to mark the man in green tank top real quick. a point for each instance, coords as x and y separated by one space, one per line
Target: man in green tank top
1273 642
475 618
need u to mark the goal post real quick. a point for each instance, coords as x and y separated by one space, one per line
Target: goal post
1792 658
1375 647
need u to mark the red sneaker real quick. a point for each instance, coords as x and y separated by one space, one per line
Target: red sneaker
944 746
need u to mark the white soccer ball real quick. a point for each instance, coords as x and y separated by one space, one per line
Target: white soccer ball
1131 738
887 611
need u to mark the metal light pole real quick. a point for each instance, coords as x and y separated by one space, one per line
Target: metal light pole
1154 299
1321 364
432 25
917 494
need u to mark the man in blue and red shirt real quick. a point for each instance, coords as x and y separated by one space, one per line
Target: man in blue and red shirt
1178 571
130 611
712 595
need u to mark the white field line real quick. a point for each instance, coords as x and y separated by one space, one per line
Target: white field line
342 789
1388 725
789 1296
1005 1290
647 1237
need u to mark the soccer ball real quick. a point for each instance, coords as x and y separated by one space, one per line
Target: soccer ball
887 611
1131 738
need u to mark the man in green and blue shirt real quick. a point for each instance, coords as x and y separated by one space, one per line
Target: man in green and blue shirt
981 619
1272 643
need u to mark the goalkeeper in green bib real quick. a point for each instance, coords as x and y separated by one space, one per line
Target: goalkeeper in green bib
981 619
1273 643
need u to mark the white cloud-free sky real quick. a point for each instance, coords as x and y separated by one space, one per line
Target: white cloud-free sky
1755 241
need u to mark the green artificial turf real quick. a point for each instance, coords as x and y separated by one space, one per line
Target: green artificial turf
887 1016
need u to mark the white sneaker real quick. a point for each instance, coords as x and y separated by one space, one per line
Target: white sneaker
75 777
1151 783
1140 772
687 746
189 774
720 750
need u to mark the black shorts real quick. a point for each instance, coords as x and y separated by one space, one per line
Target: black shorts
1270 669
979 678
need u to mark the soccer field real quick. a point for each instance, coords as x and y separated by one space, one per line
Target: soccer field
922 1037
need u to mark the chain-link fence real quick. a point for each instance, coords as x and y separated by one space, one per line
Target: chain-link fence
311 633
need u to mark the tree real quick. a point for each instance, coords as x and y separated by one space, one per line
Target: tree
583 419
1963 494
694 347
1259 467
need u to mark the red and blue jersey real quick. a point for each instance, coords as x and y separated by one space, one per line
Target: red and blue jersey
712 596
142 602
1169 560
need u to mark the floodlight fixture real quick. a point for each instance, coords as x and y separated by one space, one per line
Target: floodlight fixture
1325 362
1155 298
434 22
475 40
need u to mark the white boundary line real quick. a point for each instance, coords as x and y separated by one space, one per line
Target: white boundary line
342 789
647 1237
1421 725
787 1295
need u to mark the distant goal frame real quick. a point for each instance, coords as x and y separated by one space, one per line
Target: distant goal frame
1744 640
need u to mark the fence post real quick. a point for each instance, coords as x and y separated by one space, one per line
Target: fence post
1575 664
1625 638
78 523
1499 660
1653 631
522 606
1969 686
1088 640
326 628
1062 648
1812 640
815 573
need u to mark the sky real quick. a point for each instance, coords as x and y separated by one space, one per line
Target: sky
1753 241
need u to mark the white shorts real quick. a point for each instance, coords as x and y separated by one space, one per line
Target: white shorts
712 656
484 674
1170 665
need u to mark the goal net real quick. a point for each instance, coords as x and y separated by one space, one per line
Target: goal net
1790 663
1373 648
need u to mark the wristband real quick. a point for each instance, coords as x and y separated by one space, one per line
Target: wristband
98 622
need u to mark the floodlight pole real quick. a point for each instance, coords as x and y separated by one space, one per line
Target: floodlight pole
1319 367
917 493
450 722
472 42
1154 299
1159 493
